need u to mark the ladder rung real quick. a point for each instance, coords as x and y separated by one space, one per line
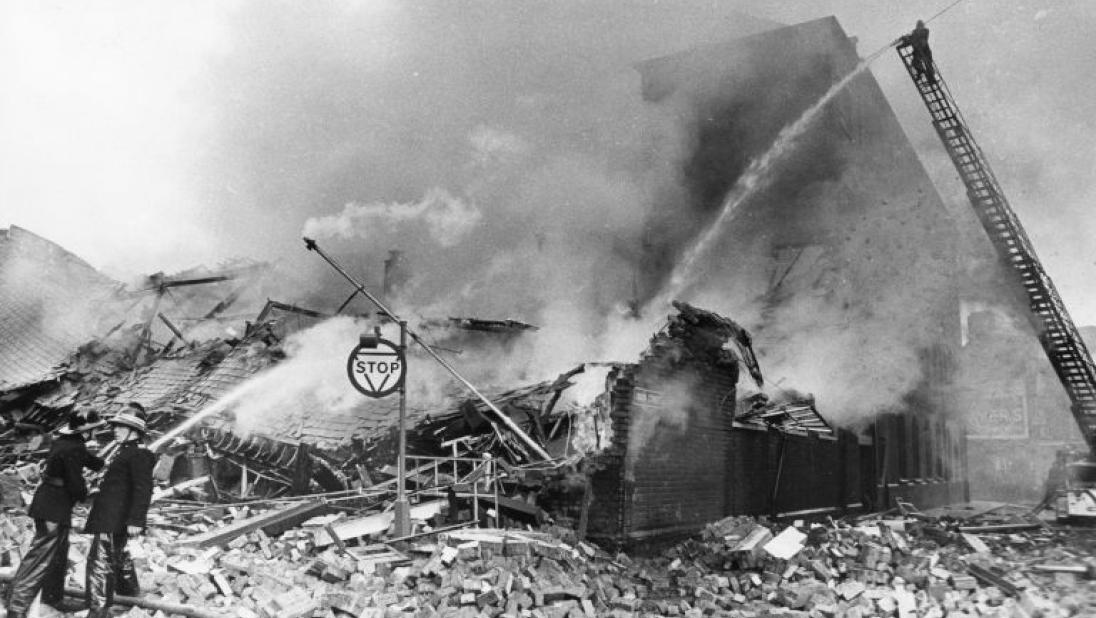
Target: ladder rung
1059 339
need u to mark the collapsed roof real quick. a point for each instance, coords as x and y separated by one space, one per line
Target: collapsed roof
97 369
50 302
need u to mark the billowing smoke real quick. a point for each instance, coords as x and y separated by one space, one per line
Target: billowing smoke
506 151
517 180
445 220
566 200
312 377
312 380
843 267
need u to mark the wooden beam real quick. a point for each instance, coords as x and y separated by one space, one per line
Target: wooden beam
372 524
175 330
174 490
299 511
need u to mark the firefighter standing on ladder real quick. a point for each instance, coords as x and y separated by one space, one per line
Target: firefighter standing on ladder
922 55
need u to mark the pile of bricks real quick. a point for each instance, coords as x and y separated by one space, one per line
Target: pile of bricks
738 568
467 572
894 567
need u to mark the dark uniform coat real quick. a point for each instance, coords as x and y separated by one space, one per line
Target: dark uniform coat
125 491
919 39
63 480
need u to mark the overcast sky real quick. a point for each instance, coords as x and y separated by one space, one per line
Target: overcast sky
150 136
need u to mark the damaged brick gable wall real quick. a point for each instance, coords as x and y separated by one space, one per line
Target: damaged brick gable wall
678 462
666 470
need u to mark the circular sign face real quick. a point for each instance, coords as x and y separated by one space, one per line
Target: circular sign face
376 372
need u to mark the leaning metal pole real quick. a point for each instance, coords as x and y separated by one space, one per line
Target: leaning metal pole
506 420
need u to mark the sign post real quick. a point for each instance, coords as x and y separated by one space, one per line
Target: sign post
377 368
402 510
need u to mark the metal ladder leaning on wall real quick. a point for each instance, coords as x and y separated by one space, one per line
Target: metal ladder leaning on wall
1057 334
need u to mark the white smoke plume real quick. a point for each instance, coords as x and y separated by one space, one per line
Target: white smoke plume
312 377
446 219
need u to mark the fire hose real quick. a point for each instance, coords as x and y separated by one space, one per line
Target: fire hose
93 479
142 602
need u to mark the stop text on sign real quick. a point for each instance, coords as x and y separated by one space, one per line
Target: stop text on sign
376 371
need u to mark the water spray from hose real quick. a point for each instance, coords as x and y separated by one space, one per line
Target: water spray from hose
758 175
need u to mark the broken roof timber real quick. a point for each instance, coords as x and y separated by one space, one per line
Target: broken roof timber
296 513
493 326
271 305
788 416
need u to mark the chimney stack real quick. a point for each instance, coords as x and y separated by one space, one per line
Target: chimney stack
395 274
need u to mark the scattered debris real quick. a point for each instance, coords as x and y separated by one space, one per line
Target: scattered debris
281 562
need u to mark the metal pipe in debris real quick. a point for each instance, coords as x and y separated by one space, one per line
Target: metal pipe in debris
506 420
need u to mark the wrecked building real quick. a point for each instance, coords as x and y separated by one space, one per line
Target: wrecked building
854 243
834 375
46 295
826 252
648 478
687 449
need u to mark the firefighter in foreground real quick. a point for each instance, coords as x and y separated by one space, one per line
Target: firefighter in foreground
118 512
43 566
922 55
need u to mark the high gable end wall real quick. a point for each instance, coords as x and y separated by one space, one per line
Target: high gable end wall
846 261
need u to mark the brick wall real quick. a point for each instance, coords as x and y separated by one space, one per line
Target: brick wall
678 470
667 469
693 466
607 485
678 461
921 458
816 473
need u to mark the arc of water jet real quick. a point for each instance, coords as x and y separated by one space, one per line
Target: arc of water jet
756 177
217 406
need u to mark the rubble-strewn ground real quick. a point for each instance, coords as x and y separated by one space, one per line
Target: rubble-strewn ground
896 565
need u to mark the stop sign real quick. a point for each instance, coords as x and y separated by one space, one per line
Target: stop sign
376 371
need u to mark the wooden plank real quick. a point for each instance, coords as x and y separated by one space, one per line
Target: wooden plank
976 544
373 524
513 504
180 488
224 534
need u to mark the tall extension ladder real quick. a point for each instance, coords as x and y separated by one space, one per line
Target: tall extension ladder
1063 345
